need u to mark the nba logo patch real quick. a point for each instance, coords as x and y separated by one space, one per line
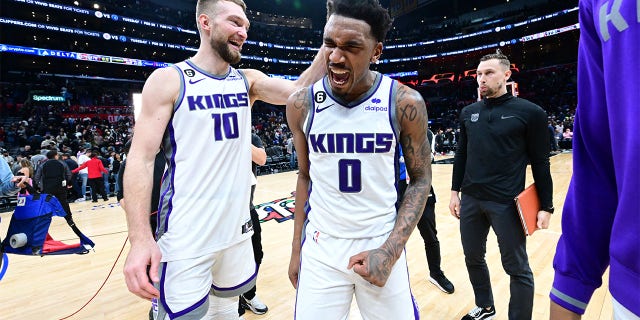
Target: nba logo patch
21 201
316 235
247 227
475 117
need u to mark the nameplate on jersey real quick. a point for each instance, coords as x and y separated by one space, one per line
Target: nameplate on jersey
218 101
351 142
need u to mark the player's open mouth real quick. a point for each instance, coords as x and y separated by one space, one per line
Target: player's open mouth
339 77
236 44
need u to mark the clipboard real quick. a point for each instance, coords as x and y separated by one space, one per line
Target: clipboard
528 205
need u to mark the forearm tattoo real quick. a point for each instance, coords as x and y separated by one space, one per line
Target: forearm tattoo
417 154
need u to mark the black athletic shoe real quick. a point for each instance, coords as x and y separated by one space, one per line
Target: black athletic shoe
478 313
442 283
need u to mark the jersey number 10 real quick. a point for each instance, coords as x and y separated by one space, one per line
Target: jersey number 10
225 124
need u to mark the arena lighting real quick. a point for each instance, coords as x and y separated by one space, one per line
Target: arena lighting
95 34
109 37
76 3
157 25
96 6
147 63
137 105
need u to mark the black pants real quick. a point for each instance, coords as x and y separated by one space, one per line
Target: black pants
476 216
61 195
427 228
97 186
258 254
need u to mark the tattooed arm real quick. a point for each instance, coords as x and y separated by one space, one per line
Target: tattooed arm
298 106
375 265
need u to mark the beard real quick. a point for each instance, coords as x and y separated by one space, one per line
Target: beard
491 92
225 53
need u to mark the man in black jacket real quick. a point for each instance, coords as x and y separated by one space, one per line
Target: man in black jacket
498 137
54 177
72 164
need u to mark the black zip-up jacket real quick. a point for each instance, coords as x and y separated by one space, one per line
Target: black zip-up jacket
498 137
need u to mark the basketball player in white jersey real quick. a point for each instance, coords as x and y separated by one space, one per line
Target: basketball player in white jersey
348 236
198 112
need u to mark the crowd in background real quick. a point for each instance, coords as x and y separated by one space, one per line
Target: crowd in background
33 129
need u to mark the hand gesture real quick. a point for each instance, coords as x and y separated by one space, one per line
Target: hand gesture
373 265
20 181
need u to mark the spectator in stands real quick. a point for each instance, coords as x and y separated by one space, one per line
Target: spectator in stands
26 169
26 151
7 157
9 184
115 170
291 151
95 170
38 159
83 174
72 164
552 137
105 175
54 178
439 141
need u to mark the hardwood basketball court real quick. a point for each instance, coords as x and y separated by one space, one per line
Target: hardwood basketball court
54 287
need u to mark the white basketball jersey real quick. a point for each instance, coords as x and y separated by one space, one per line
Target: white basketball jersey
204 204
352 161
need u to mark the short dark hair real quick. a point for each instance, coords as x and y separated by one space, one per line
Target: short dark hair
369 11
52 154
502 59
